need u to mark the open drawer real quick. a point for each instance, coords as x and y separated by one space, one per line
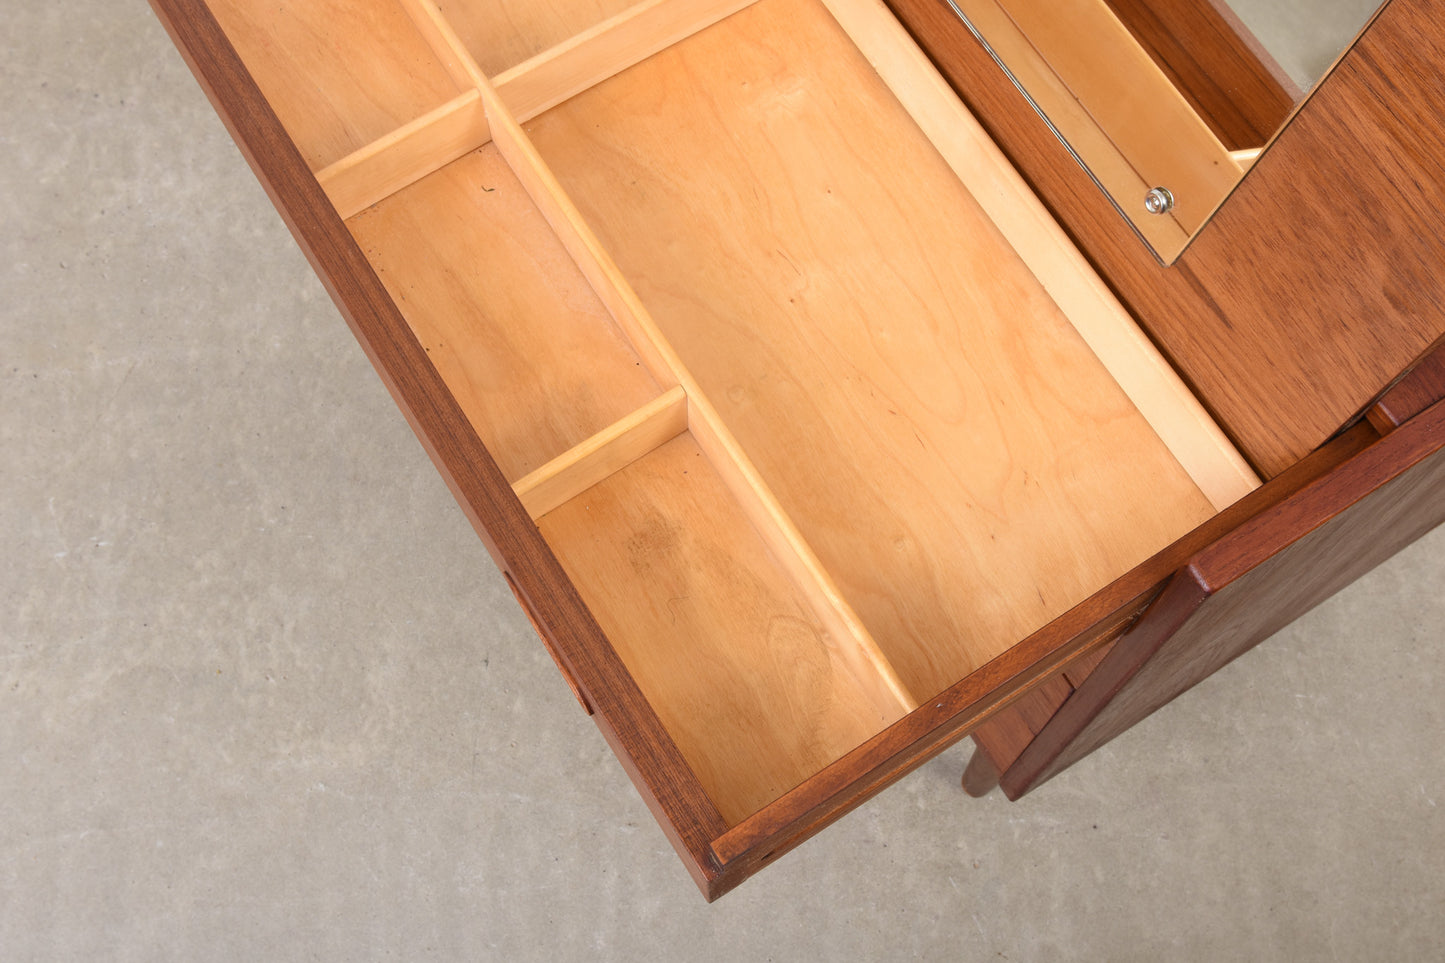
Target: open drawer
804 435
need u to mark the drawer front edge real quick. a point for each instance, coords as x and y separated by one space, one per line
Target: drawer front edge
1250 585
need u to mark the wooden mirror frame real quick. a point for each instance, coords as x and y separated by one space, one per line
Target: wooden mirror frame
1316 283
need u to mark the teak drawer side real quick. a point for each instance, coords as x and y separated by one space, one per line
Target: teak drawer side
624 717
801 431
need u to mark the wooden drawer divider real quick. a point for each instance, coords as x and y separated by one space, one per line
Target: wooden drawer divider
635 34
391 163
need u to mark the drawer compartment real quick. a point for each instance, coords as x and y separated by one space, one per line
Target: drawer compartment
535 362
339 74
740 669
815 408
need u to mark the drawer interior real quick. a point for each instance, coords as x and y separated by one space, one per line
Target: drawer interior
502 35
339 74
816 407
504 314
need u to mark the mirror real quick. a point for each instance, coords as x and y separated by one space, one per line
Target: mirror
1166 103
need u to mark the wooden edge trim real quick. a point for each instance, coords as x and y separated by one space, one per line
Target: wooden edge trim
1179 419
928 730
1415 391
562 665
406 155
588 59
963 707
1216 566
1004 737
604 454
843 786
663 778
1252 544
852 641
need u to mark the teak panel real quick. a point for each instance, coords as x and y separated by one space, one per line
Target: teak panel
523 342
501 34
1300 301
375 69
957 457
740 671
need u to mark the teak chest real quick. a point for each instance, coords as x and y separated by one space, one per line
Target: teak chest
803 431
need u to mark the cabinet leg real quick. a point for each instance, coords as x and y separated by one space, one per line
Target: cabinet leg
981 776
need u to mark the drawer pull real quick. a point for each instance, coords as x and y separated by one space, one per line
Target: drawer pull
551 649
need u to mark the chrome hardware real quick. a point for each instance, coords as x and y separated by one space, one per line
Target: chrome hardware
1159 201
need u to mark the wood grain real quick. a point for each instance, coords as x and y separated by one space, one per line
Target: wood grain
716 853
1004 737
1084 666
406 155
612 46
524 345
715 438
730 656
856 319
339 74
1162 398
503 33
849 641
1226 74
1248 586
1299 302
441 36
604 454
662 776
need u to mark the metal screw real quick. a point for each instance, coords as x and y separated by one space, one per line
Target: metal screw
1159 201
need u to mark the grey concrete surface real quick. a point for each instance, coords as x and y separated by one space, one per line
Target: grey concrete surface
1305 37
263 696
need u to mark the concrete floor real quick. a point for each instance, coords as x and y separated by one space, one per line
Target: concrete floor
1305 37
263 696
